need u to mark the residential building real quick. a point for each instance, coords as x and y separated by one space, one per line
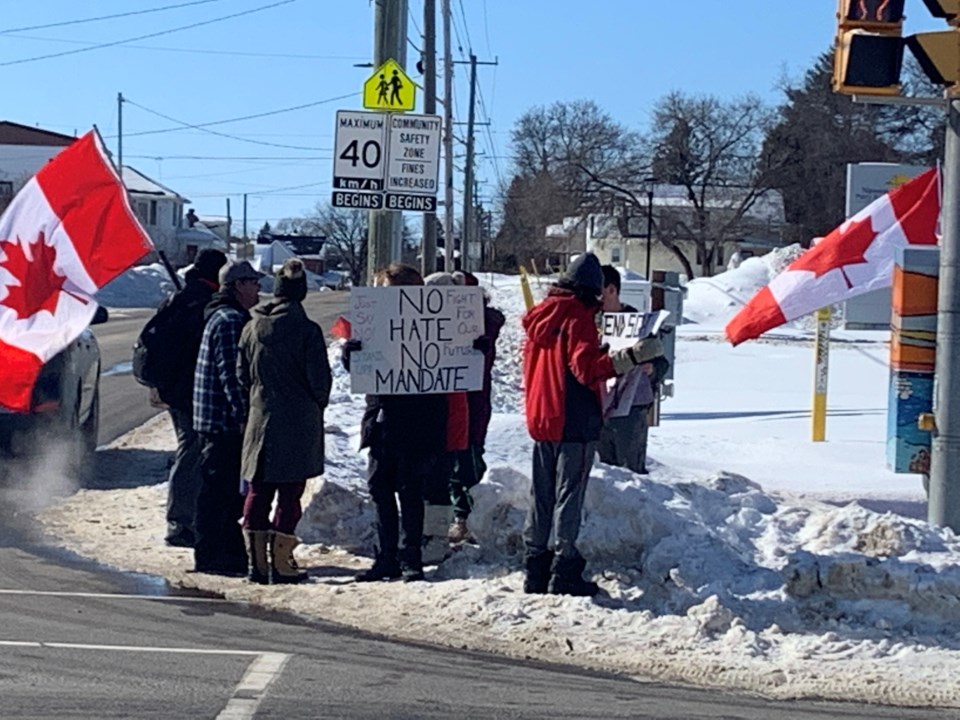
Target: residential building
23 151
160 211
622 240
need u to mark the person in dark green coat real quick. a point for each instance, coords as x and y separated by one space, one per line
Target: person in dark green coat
283 365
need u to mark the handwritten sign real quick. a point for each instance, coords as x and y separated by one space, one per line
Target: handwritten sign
622 330
416 340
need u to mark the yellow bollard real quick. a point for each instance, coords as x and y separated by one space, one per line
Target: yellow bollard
525 286
821 368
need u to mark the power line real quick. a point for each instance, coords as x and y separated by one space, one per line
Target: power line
221 134
198 51
229 158
466 29
82 21
148 36
268 113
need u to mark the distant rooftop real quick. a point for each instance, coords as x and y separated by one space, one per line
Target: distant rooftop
140 184
12 133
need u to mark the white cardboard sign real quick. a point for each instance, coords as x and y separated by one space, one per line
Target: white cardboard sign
416 340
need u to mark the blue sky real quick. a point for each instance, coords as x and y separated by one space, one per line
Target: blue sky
623 54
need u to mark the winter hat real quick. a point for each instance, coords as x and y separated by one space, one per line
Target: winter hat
208 263
585 271
291 281
441 278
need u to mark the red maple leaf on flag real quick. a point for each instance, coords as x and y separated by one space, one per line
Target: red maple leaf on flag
840 248
40 285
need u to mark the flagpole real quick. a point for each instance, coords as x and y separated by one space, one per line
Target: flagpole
820 375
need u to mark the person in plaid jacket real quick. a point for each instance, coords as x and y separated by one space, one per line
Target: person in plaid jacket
219 416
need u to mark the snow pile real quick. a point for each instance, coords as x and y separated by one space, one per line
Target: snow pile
143 286
712 301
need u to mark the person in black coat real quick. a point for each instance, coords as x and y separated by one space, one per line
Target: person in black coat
177 394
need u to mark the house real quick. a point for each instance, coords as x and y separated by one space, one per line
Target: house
160 211
23 151
623 240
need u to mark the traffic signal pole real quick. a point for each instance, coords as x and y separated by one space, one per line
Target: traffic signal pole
385 231
943 507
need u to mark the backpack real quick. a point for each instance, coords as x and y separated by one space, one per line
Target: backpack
154 354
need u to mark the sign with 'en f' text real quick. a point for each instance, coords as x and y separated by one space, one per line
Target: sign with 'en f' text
416 340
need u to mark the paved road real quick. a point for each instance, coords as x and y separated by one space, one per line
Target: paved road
77 641
123 402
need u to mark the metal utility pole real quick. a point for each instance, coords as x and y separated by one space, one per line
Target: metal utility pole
943 507
448 207
244 217
467 234
120 134
384 236
428 248
229 221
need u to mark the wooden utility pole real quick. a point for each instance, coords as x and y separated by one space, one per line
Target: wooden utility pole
384 235
428 248
449 247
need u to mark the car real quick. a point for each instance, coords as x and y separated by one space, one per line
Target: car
65 402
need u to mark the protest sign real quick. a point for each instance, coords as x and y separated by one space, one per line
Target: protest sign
622 330
416 340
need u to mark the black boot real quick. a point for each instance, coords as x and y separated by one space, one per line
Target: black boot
567 578
385 567
411 563
538 572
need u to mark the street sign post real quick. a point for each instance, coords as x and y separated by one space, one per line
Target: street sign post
360 151
386 161
390 89
413 162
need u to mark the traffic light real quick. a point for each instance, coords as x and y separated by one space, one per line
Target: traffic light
869 49
938 54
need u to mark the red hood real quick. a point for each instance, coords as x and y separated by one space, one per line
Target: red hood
544 322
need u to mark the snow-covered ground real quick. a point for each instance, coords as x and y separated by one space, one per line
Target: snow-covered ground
750 558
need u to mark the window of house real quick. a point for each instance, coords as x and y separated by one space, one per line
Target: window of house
615 258
142 209
6 189
153 212
177 211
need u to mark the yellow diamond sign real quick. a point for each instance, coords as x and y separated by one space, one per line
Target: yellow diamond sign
390 89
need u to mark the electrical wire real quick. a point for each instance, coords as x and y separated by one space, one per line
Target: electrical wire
168 31
268 113
231 158
221 134
197 51
82 21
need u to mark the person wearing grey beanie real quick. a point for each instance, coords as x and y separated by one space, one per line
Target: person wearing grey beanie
283 367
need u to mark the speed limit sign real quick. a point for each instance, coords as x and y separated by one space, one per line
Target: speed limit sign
359 161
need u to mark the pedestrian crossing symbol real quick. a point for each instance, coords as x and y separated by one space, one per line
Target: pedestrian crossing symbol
389 88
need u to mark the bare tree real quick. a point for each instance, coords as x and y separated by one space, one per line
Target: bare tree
551 145
345 230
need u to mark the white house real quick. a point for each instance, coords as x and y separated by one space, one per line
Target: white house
23 151
160 211
623 242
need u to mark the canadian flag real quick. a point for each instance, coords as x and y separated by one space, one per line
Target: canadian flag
66 234
855 258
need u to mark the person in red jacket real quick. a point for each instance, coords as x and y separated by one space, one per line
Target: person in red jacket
563 366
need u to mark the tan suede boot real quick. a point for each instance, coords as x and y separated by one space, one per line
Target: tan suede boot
283 568
257 563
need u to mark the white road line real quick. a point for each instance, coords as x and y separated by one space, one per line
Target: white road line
247 695
253 686
117 596
128 648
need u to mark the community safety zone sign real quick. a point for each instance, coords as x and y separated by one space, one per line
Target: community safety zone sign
386 161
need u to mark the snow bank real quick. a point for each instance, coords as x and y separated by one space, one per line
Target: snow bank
144 286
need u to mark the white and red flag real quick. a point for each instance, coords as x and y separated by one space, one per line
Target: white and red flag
855 258
66 234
